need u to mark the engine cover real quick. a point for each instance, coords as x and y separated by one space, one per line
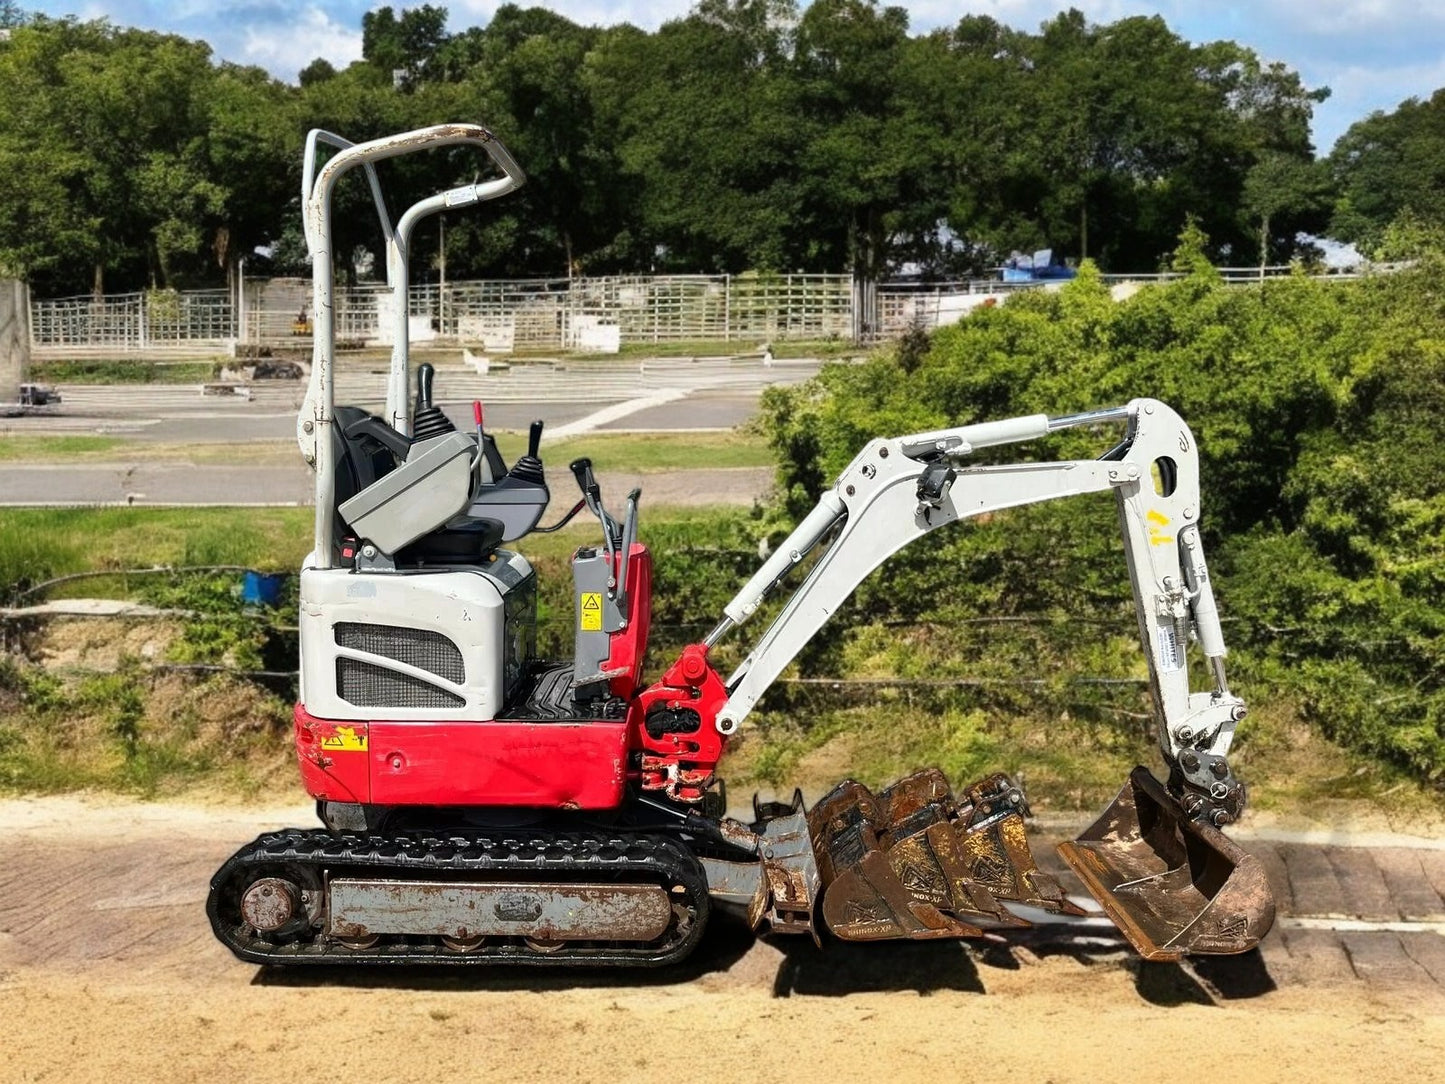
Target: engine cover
446 645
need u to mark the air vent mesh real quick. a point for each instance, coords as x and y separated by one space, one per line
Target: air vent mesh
422 648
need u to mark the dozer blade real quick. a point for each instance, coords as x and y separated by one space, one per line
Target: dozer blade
911 862
1173 886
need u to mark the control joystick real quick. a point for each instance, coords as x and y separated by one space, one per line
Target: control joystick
428 420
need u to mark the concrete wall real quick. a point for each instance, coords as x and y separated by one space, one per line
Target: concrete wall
14 338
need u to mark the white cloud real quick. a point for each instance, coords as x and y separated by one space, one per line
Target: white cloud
648 14
1357 91
284 50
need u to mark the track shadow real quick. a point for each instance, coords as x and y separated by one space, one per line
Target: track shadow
724 942
841 967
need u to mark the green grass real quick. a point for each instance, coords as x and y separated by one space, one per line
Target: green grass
122 371
41 543
19 449
644 453
634 453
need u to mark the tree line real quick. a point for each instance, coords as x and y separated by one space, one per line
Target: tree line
751 134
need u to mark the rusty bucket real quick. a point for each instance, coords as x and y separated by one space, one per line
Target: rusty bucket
1173 886
913 861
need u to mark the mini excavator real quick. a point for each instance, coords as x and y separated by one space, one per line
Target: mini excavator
481 805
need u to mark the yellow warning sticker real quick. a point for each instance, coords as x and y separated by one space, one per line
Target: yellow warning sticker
345 739
591 619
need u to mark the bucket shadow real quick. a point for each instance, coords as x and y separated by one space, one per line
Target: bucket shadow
842 967
1203 980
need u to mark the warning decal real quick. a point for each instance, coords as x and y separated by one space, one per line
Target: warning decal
345 739
591 611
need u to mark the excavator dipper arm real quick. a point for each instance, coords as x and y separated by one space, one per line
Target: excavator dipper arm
899 489
1156 860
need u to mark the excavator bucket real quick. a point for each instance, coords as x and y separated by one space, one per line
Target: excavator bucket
914 862
1175 887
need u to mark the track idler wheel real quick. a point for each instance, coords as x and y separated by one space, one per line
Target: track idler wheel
913 862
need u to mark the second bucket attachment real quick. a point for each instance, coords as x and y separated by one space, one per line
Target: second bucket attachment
913 862
1173 886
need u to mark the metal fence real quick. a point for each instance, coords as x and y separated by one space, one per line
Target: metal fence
159 321
499 316
560 314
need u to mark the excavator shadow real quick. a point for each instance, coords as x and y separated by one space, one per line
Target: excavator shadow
841 968
724 943
834 970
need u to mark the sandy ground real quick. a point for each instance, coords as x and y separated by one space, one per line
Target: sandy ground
108 972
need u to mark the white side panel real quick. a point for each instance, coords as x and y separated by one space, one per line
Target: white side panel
465 607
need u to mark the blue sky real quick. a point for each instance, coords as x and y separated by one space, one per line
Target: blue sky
1373 54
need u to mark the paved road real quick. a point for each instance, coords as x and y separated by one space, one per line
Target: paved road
138 483
716 393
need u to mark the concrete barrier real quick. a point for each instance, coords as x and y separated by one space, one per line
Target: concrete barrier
14 338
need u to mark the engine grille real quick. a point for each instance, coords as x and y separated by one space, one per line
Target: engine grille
422 648
369 686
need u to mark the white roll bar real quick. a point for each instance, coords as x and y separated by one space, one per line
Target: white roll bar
313 424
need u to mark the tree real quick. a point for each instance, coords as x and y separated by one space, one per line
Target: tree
863 164
1389 164
706 137
404 43
1287 193
128 158
319 70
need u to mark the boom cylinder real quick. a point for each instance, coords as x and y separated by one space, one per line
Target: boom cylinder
828 511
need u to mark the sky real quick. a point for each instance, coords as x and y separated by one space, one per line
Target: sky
1372 54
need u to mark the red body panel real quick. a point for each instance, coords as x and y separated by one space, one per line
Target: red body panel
333 758
581 764
628 646
557 765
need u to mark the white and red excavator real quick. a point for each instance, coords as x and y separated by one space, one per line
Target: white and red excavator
482 805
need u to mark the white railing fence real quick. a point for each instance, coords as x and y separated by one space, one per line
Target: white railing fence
495 315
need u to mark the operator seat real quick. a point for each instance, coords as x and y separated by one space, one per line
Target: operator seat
418 499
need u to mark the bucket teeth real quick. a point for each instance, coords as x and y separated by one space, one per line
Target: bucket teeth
913 862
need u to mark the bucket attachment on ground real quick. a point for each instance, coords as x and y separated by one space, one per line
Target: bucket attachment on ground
913 862
1174 886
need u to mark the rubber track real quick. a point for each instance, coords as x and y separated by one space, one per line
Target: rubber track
462 856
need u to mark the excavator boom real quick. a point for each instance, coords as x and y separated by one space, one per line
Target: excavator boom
1156 860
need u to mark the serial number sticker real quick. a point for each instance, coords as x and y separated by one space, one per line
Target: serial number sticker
591 620
345 739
